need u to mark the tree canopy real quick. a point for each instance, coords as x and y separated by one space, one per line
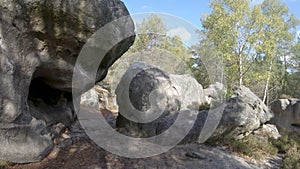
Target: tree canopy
252 41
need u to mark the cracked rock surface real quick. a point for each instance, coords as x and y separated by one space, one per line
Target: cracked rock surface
40 41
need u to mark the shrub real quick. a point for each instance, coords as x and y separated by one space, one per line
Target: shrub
290 146
253 147
292 158
258 149
204 106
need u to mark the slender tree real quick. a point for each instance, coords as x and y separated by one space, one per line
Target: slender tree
249 38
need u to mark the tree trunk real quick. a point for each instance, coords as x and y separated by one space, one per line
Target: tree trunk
240 70
268 82
284 76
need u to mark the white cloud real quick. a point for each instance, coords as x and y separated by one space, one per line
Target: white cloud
181 32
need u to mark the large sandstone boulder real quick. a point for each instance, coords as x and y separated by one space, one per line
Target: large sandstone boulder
144 93
243 113
286 115
215 93
149 100
191 94
39 43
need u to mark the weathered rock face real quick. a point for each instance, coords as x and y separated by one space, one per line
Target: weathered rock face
214 93
157 97
144 93
243 113
39 45
91 99
286 115
267 131
191 94
237 117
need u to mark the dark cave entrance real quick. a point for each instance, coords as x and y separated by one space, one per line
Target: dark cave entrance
49 104
40 91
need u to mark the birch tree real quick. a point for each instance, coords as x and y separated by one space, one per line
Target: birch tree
247 35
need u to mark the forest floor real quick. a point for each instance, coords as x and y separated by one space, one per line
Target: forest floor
74 150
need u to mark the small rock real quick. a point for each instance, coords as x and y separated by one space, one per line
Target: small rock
66 134
267 130
65 143
194 154
91 99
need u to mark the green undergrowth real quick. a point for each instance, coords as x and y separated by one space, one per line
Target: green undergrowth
290 146
204 106
259 148
253 147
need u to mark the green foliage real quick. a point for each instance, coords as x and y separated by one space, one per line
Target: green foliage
152 34
292 78
290 146
204 106
250 41
206 60
293 87
284 144
152 45
292 159
258 148
158 57
253 147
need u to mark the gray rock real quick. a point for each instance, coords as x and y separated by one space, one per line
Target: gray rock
215 93
191 94
39 44
149 90
243 113
24 142
194 154
267 131
91 98
237 117
286 115
145 93
105 97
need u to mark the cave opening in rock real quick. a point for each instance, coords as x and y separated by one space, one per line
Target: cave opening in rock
39 91
49 104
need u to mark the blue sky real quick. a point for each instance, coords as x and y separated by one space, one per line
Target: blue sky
189 10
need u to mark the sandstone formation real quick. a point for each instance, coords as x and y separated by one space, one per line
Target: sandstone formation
39 43
191 94
267 131
215 93
243 113
147 91
286 115
240 115
91 98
